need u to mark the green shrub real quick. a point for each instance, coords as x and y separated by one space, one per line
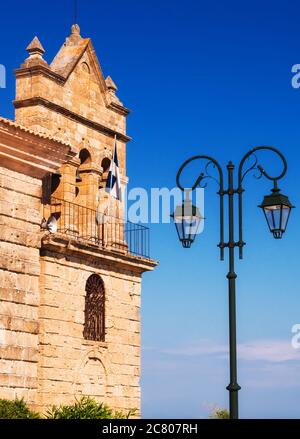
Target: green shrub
16 409
219 414
86 408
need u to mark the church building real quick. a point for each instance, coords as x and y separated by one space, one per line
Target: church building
70 263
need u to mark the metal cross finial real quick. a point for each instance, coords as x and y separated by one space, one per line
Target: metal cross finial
75 11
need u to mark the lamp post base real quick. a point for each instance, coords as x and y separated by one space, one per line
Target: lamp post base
233 389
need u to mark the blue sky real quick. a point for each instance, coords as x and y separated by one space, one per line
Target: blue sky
211 78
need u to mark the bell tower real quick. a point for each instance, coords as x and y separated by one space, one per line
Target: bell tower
70 99
91 259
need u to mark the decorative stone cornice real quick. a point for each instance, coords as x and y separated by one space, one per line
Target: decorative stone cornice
91 253
34 154
119 108
31 102
90 169
39 69
10 123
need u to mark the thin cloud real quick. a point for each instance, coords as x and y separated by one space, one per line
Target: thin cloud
273 351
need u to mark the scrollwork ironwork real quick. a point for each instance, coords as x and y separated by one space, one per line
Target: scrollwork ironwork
252 167
206 175
257 166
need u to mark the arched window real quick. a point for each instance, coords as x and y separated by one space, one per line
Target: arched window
50 184
85 159
84 156
94 313
105 164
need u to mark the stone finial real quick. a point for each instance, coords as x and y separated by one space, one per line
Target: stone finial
111 85
35 48
36 52
75 36
75 29
111 91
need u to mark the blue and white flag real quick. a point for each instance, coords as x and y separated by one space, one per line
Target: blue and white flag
113 182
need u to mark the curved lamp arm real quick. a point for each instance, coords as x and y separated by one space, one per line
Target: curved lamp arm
256 165
262 172
205 175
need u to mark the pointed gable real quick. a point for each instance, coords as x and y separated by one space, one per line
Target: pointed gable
77 56
72 86
70 53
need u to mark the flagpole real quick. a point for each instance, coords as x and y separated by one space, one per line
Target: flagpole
110 188
110 184
75 11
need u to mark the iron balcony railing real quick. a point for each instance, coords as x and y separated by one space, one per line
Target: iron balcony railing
89 225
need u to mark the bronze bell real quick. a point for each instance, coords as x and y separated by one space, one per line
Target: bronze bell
78 178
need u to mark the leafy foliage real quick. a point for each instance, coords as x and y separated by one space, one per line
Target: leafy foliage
86 408
219 413
16 409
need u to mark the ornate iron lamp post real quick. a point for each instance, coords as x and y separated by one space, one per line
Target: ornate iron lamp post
187 217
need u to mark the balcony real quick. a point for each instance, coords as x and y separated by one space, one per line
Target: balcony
89 226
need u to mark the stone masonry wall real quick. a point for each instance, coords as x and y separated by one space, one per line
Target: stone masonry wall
20 220
69 365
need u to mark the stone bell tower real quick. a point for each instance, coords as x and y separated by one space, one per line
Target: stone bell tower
90 259
70 100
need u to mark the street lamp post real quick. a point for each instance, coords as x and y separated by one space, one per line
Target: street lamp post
187 218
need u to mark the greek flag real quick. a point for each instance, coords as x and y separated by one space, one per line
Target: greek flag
113 182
